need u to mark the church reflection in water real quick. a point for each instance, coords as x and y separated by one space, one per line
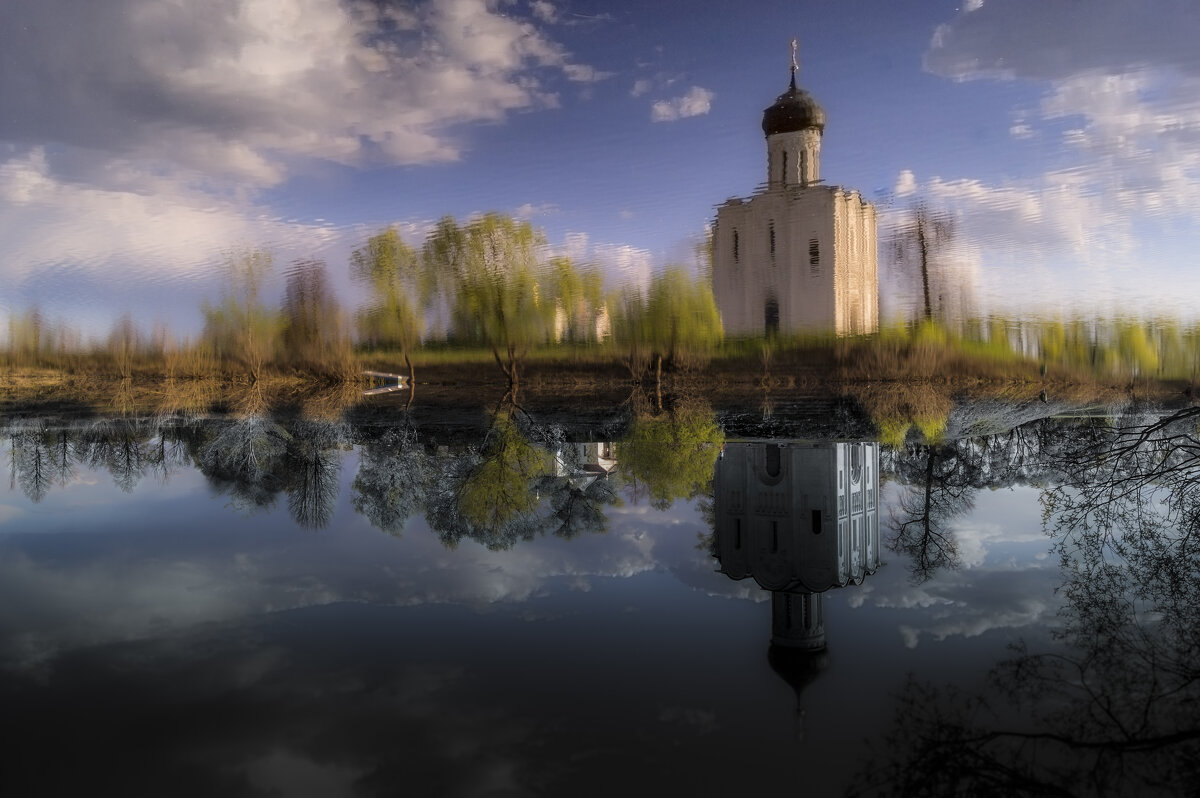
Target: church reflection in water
800 518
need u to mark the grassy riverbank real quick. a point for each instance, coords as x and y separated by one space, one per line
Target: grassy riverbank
912 375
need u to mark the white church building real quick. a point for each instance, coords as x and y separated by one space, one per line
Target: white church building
798 255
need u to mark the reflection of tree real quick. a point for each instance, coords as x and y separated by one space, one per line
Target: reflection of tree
577 506
671 455
390 484
938 489
121 446
246 458
488 492
254 458
521 481
313 464
32 460
510 489
1115 708
62 460
44 455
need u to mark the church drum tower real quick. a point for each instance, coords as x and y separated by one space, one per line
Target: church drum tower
798 255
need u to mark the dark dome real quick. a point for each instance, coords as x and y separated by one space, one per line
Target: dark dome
797 667
794 110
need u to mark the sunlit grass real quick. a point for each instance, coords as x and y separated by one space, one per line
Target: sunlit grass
1067 358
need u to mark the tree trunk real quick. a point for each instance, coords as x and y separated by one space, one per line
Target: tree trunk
658 383
923 243
412 381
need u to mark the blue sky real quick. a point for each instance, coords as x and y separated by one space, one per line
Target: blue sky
141 141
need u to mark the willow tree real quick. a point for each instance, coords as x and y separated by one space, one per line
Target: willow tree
488 269
400 289
682 322
577 297
629 336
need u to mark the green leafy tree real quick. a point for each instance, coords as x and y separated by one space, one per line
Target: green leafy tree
489 268
682 323
631 340
578 300
400 290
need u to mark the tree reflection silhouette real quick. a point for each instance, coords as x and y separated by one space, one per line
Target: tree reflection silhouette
938 489
30 460
523 480
44 454
671 456
255 458
1115 708
393 471
314 461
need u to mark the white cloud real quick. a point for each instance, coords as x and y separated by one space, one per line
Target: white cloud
236 90
622 264
65 243
1120 103
1023 612
640 87
544 11
696 102
137 137
582 73
530 210
1049 41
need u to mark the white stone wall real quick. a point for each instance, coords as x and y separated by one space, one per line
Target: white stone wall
839 294
794 159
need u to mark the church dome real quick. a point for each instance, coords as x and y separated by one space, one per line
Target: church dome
794 110
797 667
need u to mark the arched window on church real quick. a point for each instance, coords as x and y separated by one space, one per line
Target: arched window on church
803 167
783 172
736 254
771 236
773 460
814 257
771 316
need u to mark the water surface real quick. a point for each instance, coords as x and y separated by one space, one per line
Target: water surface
284 606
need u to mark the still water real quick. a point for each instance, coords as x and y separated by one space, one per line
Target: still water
280 606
